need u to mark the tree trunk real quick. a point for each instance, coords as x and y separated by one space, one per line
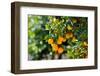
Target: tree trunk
57 56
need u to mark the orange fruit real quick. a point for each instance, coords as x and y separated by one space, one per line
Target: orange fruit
50 41
55 47
60 50
69 35
60 40
64 40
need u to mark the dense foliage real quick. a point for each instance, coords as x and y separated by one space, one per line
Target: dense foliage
57 37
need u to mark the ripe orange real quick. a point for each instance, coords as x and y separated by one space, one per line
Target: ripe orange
60 50
50 41
55 47
60 40
69 35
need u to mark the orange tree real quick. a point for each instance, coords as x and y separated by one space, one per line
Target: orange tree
57 37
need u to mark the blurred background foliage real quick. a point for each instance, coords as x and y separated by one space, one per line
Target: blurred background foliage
57 37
